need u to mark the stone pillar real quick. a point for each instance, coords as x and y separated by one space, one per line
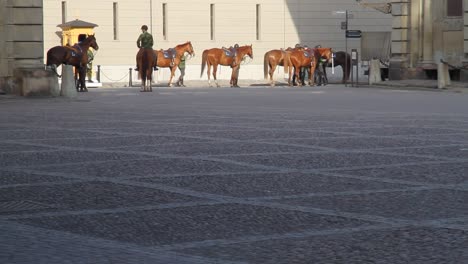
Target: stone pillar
428 36
22 60
399 60
464 74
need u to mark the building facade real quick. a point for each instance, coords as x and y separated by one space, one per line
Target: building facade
264 24
426 32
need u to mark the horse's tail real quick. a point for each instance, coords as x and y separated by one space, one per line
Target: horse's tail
286 62
204 61
266 65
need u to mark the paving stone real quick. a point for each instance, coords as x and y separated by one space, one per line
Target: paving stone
12 177
270 184
219 148
151 166
405 245
190 224
413 205
443 173
92 195
363 142
325 160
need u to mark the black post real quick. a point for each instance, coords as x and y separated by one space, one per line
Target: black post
98 75
130 84
346 50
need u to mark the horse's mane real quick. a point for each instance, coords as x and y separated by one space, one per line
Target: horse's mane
183 44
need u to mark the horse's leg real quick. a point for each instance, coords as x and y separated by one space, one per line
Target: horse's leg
215 70
312 74
77 79
208 72
83 79
173 68
271 72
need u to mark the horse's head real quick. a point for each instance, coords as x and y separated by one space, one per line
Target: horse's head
190 49
325 53
91 40
186 47
246 51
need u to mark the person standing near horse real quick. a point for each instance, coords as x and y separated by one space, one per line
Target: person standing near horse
181 66
89 65
145 41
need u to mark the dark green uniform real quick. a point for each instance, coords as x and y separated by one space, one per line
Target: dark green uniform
180 82
145 41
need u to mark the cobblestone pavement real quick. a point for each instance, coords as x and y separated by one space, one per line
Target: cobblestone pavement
223 175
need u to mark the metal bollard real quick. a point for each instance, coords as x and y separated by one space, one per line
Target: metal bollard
98 74
130 84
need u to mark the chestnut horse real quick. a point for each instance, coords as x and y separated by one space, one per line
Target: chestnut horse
76 55
214 57
274 58
342 59
170 63
145 69
309 59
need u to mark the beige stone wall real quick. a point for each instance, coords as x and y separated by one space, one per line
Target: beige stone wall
283 23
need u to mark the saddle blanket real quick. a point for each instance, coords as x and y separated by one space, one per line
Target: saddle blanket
169 54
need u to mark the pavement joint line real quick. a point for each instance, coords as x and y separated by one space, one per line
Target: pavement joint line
205 157
250 201
117 210
325 172
151 252
345 193
53 183
292 235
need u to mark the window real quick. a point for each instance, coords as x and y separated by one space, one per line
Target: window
212 21
454 8
115 20
164 21
258 22
64 12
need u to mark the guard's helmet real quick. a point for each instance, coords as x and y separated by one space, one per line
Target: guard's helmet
144 27
318 46
298 46
236 46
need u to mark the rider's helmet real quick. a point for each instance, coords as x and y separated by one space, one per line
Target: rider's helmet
144 27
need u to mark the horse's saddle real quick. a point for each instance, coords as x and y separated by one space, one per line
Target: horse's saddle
230 52
76 50
169 53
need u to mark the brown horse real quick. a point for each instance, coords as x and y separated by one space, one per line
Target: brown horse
309 59
214 57
145 69
274 58
173 63
76 55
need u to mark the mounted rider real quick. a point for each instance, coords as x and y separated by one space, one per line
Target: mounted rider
145 41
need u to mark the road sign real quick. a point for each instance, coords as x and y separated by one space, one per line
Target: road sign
344 25
353 33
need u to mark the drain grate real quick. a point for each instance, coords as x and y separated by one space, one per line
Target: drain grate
16 206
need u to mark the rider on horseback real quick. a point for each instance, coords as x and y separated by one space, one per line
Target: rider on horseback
145 41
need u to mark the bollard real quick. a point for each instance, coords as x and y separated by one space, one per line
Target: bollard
374 72
443 76
98 74
130 84
68 82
